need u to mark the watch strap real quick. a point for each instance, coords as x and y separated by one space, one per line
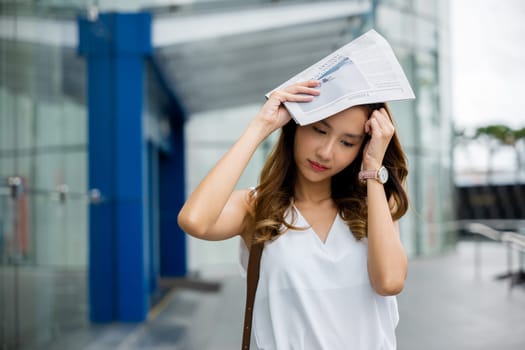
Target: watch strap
367 174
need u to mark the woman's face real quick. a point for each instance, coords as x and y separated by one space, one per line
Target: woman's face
323 149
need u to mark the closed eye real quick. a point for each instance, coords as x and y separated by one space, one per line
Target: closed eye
346 143
318 130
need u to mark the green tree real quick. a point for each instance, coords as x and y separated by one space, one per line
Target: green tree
500 135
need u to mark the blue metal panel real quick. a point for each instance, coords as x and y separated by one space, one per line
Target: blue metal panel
171 169
172 197
131 190
102 287
115 46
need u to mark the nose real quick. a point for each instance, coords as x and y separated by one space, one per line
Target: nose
325 149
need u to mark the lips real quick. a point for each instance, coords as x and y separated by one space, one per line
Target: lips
316 166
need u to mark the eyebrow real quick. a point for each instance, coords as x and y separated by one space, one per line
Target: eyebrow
350 135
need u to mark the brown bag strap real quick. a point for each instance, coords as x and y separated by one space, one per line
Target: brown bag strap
252 279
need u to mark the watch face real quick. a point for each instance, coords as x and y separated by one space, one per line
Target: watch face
383 175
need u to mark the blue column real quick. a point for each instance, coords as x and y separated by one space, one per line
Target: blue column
115 45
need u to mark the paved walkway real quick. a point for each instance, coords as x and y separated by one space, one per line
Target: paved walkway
446 304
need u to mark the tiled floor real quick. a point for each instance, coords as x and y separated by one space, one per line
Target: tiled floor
446 304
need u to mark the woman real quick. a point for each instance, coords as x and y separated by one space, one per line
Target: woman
327 206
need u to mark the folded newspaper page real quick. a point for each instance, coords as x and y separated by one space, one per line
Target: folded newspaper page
363 71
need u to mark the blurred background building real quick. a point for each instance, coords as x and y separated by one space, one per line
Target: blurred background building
489 143
112 111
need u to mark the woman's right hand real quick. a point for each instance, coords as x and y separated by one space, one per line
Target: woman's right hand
273 115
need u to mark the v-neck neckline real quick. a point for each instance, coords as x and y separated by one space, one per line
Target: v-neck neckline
311 228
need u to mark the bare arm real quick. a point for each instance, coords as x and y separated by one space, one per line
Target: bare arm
387 260
214 211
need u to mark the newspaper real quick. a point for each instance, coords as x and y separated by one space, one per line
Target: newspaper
363 71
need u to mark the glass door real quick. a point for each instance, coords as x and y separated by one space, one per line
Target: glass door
9 258
43 176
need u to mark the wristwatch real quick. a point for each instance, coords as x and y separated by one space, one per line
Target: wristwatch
381 175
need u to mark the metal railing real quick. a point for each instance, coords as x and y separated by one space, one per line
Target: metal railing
514 242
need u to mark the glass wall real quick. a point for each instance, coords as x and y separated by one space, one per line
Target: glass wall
419 36
43 207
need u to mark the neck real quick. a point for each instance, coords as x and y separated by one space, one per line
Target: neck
315 193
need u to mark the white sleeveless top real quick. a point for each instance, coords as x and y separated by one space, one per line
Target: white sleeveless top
317 296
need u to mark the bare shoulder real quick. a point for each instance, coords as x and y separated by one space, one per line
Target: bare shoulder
232 220
243 198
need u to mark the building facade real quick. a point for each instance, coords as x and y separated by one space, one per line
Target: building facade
199 89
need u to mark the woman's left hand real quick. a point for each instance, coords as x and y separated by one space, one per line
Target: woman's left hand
380 128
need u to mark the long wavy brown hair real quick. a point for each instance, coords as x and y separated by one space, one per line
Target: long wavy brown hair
273 196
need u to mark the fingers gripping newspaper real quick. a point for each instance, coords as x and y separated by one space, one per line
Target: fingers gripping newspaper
363 71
